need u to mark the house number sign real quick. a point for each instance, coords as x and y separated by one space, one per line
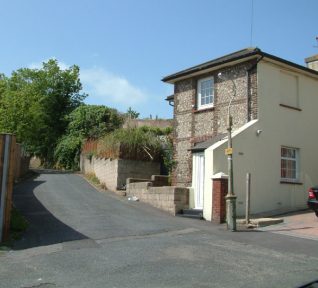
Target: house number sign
228 151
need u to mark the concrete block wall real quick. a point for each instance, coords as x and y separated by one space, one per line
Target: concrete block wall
168 198
107 172
114 172
136 169
86 164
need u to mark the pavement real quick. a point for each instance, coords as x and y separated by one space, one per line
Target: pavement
302 224
80 237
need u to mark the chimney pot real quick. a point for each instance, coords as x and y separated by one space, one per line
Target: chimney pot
312 62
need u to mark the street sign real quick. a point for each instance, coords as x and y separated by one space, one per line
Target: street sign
228 151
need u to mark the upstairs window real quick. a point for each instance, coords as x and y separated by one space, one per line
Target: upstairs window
289 164
205 93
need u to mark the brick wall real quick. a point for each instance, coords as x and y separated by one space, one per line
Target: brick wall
220 187
168 198
193 126
114 172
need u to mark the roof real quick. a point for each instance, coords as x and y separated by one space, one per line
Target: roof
246 53
199 147
170 98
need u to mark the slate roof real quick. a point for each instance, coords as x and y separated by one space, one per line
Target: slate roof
244 53
200 147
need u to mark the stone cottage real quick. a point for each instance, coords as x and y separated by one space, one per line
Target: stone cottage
271 101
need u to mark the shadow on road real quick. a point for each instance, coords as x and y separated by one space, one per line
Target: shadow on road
52 171
44 228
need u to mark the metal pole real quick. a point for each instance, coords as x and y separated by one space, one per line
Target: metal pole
248 194
230 197
4 183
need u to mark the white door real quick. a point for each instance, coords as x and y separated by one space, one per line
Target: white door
198 179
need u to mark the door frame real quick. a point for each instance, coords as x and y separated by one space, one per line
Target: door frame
198 162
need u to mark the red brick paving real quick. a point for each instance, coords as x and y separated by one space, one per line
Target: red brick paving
303 224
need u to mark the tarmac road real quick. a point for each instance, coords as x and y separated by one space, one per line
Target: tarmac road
79 237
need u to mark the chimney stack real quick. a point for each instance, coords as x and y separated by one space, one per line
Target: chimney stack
312 62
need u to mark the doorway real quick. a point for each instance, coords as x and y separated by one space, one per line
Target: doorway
198 179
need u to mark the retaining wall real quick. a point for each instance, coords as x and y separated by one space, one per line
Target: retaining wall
168 198
114 172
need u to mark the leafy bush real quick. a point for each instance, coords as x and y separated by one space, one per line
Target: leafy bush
93 121
86 121
67 152
168 160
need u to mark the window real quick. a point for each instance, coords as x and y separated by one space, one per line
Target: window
205 93
289 89
289 164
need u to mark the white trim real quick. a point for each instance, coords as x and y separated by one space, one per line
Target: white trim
296 160
198 178
209 105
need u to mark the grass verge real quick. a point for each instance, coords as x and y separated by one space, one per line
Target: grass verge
17 226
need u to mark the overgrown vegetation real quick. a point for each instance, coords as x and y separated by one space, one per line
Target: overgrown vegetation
167 157
44 108
142 143
67 152
132 114
91 177
18 225
85 122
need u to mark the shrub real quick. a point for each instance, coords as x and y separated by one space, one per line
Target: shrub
131 143
67 152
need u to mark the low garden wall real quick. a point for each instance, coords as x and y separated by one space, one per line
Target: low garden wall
114 172
168 198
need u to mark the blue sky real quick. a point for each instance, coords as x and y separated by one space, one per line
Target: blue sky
125 47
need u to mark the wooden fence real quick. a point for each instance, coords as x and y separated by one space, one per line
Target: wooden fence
7 173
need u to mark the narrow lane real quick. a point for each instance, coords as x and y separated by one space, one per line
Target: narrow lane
98 240
64 207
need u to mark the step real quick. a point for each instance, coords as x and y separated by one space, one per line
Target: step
192 213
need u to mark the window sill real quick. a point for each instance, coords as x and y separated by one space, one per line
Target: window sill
290 182
290 107
199 110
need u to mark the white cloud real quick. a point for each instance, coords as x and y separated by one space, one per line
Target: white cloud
106 87
39 65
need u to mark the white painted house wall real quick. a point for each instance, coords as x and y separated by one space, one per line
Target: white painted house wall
261 155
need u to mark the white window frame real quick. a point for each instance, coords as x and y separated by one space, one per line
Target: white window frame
294 159
209 105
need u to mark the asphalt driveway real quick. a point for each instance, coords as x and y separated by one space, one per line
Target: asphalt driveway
80 237
64 207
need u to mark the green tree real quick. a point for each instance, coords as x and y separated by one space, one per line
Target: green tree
67 152
132 114
86 121
93 121
35 103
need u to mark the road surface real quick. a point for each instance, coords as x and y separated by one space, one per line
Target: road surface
80 237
